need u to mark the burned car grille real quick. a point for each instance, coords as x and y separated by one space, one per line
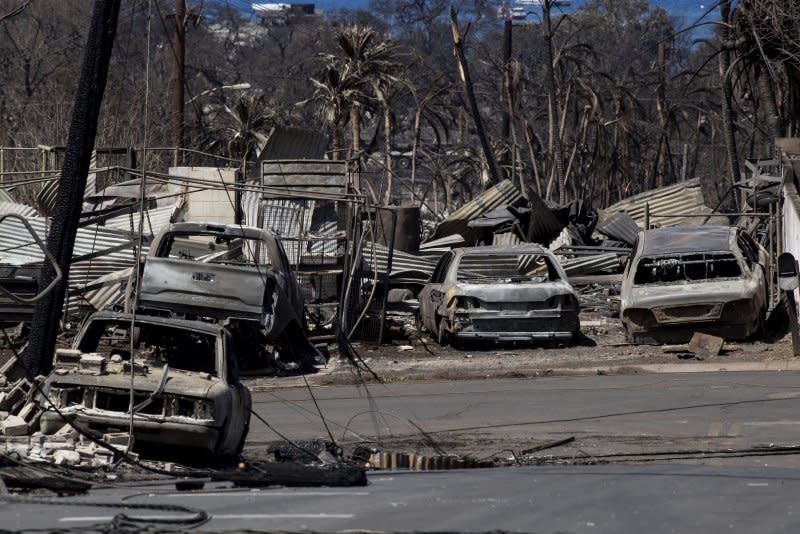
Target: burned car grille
516 325
118 401
691 312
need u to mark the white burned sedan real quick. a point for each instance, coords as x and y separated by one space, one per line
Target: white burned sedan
687 279
499 293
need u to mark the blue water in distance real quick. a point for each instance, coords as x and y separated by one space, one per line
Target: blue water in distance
688 11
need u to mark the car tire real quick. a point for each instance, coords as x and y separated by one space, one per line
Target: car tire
443 336
240 445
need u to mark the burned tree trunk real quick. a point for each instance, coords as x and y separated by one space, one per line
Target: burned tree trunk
463 68
38 358
728 120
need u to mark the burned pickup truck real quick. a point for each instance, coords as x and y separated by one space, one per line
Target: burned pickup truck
235 275
187 393
499 293
681 280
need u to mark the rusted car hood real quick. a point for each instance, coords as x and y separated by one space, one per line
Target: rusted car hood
178 382
498 291
690 293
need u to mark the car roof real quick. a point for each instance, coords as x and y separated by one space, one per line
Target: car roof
681 239
526 248
235 230
183 324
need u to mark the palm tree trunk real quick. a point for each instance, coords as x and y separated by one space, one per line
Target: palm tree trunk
774 119
387 130
728 121
414 145
355 129
336 141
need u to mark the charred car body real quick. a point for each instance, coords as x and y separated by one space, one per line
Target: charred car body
499 293
233 274
187 392
682 280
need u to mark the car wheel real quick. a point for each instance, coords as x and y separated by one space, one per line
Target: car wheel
240 445
443 336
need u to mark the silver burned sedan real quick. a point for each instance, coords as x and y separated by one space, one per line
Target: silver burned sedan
687 279
499 293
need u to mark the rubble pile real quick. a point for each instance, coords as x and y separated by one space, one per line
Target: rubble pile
22 436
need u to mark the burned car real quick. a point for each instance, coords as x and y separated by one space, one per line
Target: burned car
187 393
233 274
499 293
687 279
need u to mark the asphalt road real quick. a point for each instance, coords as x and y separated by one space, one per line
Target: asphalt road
608 413
604 413
598 499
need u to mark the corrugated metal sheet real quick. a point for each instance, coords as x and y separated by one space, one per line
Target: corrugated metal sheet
15 207
683 198
508 238
620 226
99 251
301 178
600 263
294 143
403 263
107 290
503 193
49 192
155 219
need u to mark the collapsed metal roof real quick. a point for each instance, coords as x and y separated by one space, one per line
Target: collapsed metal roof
503 193
686 239
685 198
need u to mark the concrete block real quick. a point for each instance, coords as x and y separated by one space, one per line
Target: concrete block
116 438
31 413
15 397
66 457
705 345
12 370
14 425
67 359
92 364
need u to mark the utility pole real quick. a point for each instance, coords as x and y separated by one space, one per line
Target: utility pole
178 79
38 357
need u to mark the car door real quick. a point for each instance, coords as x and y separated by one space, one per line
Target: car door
431 295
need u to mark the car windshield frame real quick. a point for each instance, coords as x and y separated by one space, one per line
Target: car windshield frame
686 268
155 344
531 267
237 250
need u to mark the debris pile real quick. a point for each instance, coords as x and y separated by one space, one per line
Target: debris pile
20 415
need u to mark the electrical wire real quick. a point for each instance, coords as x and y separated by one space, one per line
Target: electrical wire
137 258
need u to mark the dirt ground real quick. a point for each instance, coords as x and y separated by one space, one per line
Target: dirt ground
409 356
